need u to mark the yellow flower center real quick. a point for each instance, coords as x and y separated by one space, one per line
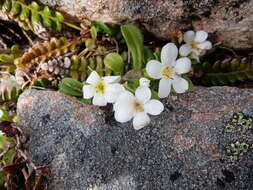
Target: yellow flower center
100 87
138 106
193 45
167 72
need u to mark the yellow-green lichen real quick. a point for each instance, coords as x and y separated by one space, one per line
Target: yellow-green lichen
238 130
239 122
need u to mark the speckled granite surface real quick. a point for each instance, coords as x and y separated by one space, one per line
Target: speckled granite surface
185 148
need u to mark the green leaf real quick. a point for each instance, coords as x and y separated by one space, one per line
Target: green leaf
16 7
154 95
43 82
104 27
225 72
25 13
35 16
3 141
86 101
191 85
94 32
148 55
194 62
157 56
71 87
90 44
46 17
59 19
5 58
15 50
114 62
6 6
135 43
130 87
4 114
59 16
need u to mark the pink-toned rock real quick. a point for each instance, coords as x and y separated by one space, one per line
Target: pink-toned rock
229 21
186 147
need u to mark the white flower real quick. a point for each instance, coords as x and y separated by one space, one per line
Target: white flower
7 84
144 82
137 106
1 133
169 71
103 90
196 44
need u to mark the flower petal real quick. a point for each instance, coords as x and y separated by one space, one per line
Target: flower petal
154 107
140 120
144 82
189 36
99 100
183 65
88 91
205 45
154 68
184 50
113 91
201 36
164 88
123 115
124 101
93 78
169 54
180 85
143 94
111 79
195 56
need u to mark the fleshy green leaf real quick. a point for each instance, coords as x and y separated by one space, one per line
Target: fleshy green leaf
5 58
25 13
86 101
16 7
42 83
4 115
94 32
71 87
135 43
90 43
114 62
15 50
46 18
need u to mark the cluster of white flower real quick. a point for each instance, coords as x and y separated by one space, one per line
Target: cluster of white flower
127 105
196 44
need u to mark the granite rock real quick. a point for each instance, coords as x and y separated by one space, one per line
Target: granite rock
229 21
184 148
